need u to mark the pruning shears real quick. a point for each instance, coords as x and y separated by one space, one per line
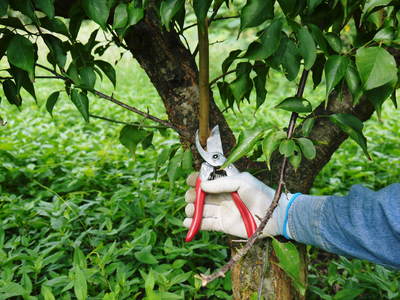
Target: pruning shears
210 169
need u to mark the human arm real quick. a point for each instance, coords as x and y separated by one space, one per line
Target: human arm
358 225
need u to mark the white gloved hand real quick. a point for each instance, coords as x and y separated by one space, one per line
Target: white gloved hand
220 212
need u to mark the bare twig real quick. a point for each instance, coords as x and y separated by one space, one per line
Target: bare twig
126 123
205 279
214 19
122 104
214 81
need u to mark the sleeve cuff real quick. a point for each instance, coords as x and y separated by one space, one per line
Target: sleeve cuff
304 220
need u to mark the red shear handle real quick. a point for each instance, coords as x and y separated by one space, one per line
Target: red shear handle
248 220
198 211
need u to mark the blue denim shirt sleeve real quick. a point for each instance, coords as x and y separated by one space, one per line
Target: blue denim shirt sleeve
364 224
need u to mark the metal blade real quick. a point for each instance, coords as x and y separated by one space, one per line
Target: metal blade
214 143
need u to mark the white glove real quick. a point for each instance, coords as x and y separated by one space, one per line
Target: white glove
220 212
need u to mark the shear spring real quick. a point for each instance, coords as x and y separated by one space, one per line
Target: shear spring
217 174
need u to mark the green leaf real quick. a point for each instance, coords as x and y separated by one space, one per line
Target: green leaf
21 78
287 147
168 10
47 293
11 93
295 104
242 85
385 35
353 82
120 16
259 83
87 76
55 25
376 67
307 47
81 102
348 294
335 69
20 53
378 95
174 168
295 158
11 289
130 136
256 12
307 126
51 101
3 7
149 282
229 60
145 256
289 261
291 60
79 259
80 284
246 142
270 40
108 70
97 10
57 49
26 283
307 147
334 41
319 37
318 69
187 160
45 6
271 143
371 5
312 4
135 13
353 127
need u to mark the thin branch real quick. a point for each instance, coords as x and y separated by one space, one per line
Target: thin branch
212 82
214 19
125 123
205 279
122 104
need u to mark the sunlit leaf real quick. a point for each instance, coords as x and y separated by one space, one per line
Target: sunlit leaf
145 256
246 142
376 67
287 147
80 284
290 262
307 47
97 10
295 104
270 143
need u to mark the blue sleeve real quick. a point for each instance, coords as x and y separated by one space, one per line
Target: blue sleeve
364 224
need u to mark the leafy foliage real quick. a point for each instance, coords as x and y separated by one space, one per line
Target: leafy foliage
85 244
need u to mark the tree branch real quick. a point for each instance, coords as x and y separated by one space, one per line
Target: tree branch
137 124
234 259
122 104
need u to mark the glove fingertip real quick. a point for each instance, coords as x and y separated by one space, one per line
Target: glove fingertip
191 179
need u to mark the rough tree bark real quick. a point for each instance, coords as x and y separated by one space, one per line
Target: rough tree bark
173 71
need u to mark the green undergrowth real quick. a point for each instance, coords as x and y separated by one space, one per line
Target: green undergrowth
80 218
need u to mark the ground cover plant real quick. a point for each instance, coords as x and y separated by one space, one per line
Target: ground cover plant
80 218
278 45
